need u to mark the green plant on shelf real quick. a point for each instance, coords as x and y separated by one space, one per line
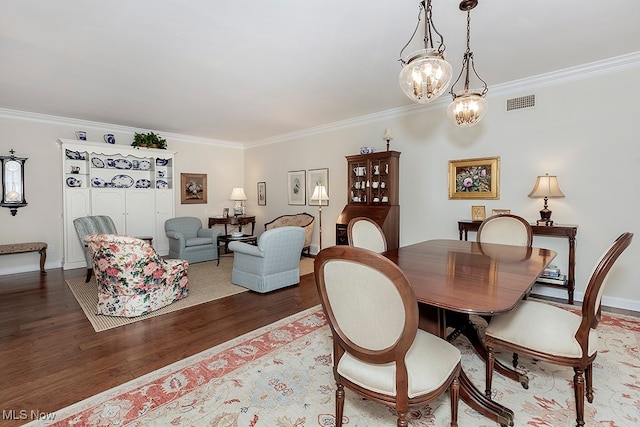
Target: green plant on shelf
149 140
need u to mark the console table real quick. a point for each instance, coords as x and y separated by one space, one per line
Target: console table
233 220
557 230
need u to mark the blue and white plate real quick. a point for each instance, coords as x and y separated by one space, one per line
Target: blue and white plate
144 165
160 183
97 162
98 182
73 182
143 183
73 155
122 164
161 162
122 181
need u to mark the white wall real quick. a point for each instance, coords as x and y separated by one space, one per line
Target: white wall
35 136
584 131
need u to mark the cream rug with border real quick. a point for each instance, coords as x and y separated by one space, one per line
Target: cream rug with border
207 282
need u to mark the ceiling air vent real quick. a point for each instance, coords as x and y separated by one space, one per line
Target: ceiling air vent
527 101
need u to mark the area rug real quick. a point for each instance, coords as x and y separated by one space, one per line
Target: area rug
207 282
281 375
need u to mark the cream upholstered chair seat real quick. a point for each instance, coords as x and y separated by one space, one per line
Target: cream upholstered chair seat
367 234
553 333
378 350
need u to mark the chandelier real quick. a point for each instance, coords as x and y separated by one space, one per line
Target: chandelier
468 106
425 74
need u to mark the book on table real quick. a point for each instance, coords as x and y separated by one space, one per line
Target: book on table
558 280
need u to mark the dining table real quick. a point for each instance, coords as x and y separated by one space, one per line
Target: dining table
455 280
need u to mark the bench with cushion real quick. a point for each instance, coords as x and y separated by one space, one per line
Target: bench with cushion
303 220
20 248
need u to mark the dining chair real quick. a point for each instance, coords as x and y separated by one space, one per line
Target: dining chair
95 224
378 350
365 233
555 335
506 229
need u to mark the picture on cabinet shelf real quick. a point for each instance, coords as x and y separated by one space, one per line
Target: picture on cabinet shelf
193 188
262 194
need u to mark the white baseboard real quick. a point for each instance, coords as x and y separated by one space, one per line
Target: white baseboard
614 302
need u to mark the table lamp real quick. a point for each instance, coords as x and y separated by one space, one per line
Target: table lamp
546 186
320 195
388 136
238 195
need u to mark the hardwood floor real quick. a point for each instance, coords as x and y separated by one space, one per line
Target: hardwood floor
51 357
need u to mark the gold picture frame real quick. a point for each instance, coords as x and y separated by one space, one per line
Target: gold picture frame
193 188
478 213
500 212
474 178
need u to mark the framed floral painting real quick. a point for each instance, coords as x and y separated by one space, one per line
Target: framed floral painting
193 188
474 178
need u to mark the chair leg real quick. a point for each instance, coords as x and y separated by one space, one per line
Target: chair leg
402 420
339 404
454 393
489 370
588 372
578 388
89 272
514 360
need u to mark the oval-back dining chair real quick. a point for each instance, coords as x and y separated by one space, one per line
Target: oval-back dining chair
367 234
555 335
378 350
506 229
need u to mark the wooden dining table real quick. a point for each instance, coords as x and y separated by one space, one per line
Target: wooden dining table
454 279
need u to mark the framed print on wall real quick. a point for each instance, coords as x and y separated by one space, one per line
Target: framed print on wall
474 178
262 194
193 188
317 177
296 188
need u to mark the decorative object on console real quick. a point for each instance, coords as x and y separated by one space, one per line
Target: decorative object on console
388 136
238 195
13 182
546 186
500 212
149 140
262 194
468 106
320 196
296 188
193 188
474 178
425 74
478 213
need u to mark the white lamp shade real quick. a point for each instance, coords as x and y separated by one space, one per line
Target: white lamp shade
388 134
319 194
546 186
238 194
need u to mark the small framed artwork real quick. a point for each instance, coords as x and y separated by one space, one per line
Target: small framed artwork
478 213
500 211
296 187
225 213
474 178
317 177
262 194
193 188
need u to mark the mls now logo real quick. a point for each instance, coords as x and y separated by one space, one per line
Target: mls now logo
23 414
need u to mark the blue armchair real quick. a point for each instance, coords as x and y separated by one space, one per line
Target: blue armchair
188 240
273 264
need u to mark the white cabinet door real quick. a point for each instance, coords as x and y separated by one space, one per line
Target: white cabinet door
164 211
140 213
110 202
77 204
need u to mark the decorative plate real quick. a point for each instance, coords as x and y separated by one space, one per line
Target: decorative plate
98 182
143 183
73 155
122 181
161 162
97 162
162 184
144 165
72 182
122 164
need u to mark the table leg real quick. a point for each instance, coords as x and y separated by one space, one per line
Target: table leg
43 258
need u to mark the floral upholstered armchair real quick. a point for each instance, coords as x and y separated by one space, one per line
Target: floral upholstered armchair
132 278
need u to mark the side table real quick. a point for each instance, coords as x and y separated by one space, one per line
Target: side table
557 230
233 220
226 238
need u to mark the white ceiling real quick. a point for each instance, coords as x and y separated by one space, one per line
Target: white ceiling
247 71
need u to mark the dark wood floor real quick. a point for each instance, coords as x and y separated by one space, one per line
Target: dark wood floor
50 356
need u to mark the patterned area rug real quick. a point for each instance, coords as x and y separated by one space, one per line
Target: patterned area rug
281 376
207 282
